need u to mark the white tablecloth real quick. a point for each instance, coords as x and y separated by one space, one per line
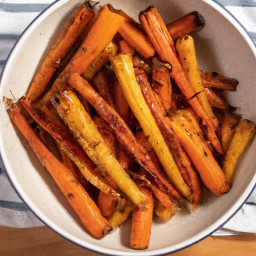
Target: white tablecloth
15 15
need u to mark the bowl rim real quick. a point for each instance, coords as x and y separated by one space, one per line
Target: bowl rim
96 248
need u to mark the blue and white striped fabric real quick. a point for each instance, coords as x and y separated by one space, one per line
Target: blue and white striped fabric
15 15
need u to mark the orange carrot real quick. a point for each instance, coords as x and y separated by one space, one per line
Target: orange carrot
186 24
201 156
123 133
71 32
74 192
95 42
67 143
141 222
155 28
136 39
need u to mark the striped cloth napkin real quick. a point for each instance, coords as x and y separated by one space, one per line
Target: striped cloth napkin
15 16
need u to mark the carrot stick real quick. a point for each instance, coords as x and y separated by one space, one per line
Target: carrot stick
123 133
95 42
162 83
136 39
164 213
188 23
215 80
181 159
244 133
67 143
71 32
138 62
155 28
202 158
141 222
185 47
74 192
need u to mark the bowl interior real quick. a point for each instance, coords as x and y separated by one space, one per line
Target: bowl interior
221 46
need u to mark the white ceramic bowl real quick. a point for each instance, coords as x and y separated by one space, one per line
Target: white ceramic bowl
222 46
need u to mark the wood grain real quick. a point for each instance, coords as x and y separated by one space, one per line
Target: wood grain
44 242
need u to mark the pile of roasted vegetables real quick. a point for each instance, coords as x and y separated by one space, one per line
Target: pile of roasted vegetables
139 128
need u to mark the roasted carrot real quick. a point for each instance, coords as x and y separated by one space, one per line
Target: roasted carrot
228 126
188 23
164 124
137 39
202 158
72 30
124 47
215 100
155 28
244 133
67 143
74 192
141 222
95 42
110 51
215 80
161 83
84 129
102 82
123 133
187 55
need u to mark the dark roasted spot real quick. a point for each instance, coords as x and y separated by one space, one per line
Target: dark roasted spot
70 195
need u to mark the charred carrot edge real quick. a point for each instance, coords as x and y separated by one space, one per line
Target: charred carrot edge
76 195
186 24
154 25
141 222
136 39
95 42
228 126
161 83
215 100
244 133
71 32
102 81
215 80
181 159
202 158
111 50
124 47
123 133
67 143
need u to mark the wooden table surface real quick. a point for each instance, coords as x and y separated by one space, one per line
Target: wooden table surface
44 242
